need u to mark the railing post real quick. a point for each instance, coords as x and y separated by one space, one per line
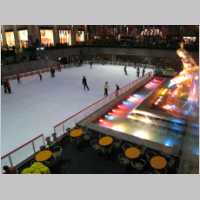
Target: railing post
10 160
33 146
63 128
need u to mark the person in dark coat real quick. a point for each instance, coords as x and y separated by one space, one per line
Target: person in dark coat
125 70
90 64
117 89
52 70
7 87
143 71
40 76
18 79
106 89
84 82
138 72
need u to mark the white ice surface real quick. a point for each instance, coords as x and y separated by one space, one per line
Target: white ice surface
34 106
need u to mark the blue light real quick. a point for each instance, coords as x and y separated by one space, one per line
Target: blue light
169 143
127 103
109 117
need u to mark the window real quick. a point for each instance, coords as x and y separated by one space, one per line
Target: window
80 36
23 38
189 40
10 39
47 37
65 37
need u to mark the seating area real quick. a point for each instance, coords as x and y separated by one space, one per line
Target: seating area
84 152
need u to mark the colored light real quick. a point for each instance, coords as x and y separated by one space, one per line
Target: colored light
109 117
141 134
119 128
169 143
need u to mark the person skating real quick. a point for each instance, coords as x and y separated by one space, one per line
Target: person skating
117 89
7 87
143 71
40 76
125 70
90 64
106 89
18 79
52 70
84 82
138 72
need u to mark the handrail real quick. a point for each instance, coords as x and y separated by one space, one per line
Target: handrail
20 147
22 157
101 99
96 102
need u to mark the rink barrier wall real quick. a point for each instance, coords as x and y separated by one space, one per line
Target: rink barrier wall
31 73
29 148
70 122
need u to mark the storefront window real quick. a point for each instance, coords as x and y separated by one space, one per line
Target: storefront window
80 36
189 40
47 37
65 37
10 39
23 38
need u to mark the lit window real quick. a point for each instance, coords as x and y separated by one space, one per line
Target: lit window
80 36
23 38
47 37
10 39
65 37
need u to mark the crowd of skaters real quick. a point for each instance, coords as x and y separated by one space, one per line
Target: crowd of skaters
7 86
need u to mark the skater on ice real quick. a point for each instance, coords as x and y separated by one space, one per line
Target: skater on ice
138 71
106 89
143 72
91 64
7 87
40 76
52 70
117 89
84 82
125 70
18 79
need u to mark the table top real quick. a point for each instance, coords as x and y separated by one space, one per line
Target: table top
158 162
76 132
43 155
105 141
132 152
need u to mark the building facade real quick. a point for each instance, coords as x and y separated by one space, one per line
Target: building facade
24 36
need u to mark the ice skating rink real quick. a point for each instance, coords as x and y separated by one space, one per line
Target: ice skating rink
35 106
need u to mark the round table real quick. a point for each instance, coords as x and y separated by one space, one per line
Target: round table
76 132
105 141
158 162
132 152
43 155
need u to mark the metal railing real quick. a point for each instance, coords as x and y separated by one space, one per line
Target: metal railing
24 151
71 121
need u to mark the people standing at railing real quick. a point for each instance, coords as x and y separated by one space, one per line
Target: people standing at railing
106 88
117 89
84 82
18 79
125 70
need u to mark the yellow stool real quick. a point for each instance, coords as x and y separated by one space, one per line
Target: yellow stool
158 162
132 152
76 132
105 141
43 155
